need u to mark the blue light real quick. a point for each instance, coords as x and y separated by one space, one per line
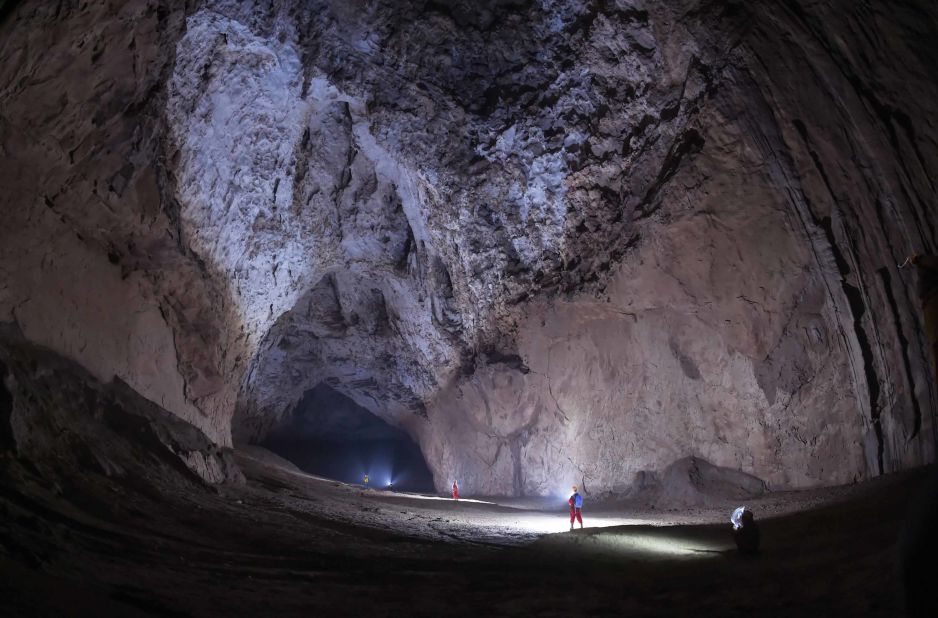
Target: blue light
737 517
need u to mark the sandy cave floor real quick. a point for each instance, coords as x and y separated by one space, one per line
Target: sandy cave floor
287 543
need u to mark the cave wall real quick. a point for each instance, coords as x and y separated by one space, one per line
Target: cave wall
770 271
865 191
553 241
81 200
716 338
95 262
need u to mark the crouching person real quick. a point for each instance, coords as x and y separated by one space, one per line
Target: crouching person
745 531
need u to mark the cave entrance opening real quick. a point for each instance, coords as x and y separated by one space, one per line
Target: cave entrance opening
328 434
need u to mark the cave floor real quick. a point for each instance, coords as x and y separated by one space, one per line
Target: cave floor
286 543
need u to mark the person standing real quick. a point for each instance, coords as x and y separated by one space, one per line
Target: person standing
455 491
576 503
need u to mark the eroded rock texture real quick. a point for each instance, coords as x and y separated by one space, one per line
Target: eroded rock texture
554 241
60 419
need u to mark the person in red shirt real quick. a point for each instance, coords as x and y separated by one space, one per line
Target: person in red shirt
576 503
455 491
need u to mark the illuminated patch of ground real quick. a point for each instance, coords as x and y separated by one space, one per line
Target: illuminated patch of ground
287 543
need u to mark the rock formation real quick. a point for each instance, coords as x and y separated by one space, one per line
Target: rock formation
554 241
62 420
692 482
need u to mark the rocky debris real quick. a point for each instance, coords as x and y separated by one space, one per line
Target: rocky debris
266 457
58 417
553 241
694 482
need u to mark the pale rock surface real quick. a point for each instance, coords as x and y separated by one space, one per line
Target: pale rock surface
693 482
89 264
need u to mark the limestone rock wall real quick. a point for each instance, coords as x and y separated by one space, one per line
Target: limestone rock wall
555 241
715 338
64 422
91 262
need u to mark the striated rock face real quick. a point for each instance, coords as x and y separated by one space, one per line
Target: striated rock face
93 262
557 241
57 416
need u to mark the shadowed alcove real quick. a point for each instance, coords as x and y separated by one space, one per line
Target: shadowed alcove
328 434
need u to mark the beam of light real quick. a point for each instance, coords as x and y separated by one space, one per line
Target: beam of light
636 542
628 542
412 496
627 539
547 523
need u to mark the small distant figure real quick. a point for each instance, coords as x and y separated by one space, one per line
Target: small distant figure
365 480
576 504
745 531
455 491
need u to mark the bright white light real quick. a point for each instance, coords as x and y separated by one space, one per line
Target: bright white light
737 517
548 523
636 542
411 496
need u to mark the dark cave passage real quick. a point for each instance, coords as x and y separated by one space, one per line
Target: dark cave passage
330 435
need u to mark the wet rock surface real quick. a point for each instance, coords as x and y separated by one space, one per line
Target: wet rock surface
554 242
